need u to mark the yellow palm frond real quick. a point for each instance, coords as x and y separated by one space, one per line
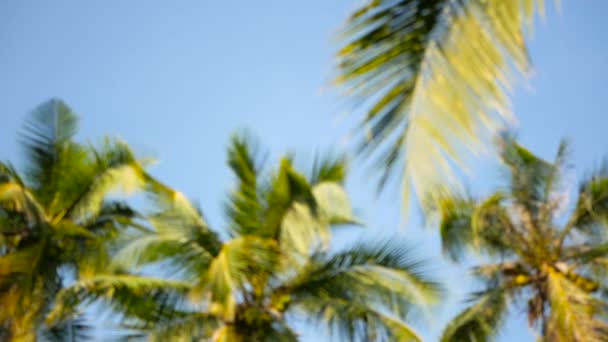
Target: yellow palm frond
434 78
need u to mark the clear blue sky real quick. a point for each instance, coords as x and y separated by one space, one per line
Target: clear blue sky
175 78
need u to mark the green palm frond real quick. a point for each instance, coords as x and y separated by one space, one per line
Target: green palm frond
178 233
478 225
133 296
286 187
384 274
529 174
47 138
355 321
328 168
114 214
455 225
480 321
115 169
592 205
15 196
55 162
240 262
306 227
244 206
186 252
573 309
333 203
493 230
433 77
193 326
587 253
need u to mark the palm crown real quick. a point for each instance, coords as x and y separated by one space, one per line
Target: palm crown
554 265
56 218
274 265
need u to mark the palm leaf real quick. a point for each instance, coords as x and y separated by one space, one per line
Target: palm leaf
115 169
355 321
573 312
482 226
191 326
455 225
480 321
433 77
13 196
592 206
134 296
286 187
305 228
240 262
328 168
244 207
55 162
383 274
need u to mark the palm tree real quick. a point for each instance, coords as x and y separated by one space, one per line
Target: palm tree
56 218
433 78
551 263
274 265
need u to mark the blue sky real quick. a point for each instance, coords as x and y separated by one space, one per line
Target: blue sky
176 78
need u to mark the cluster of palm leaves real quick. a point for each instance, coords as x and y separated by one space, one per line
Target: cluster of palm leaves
433 78
66 243
551 264
56 217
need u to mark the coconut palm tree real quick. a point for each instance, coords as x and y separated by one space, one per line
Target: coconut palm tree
56 218
433 78
551 264
274 265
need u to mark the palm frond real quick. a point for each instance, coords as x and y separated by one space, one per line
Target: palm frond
355 321
239 263
134 296
584 254
185 254
592 206
384 274
333 203
191 326
54 161
286 187
434 77
493 229
480 321
455 225
574 312
328 168
483 226
529 175
178 233
244 207
115 169
305 228
15 197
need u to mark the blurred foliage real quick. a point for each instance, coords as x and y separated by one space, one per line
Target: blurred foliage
58 218
275 264
433 79
552 264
